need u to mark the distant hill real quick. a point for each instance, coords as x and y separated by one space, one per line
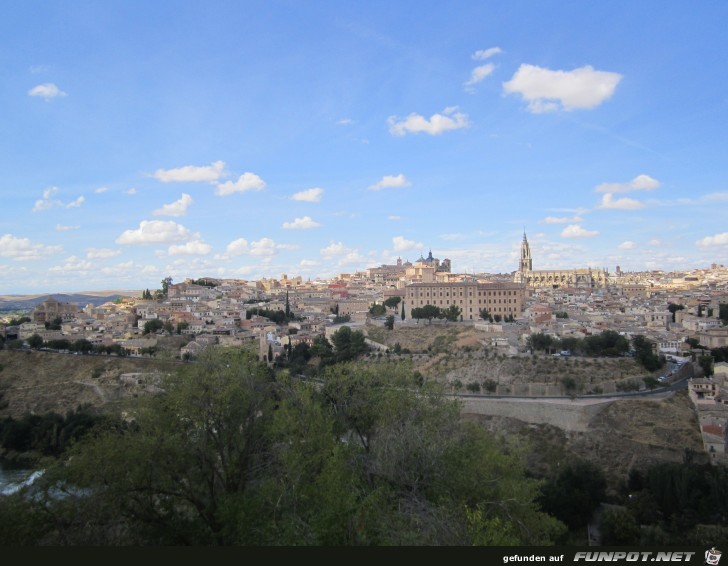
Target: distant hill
26 302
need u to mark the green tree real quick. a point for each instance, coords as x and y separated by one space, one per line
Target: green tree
35 341
619 527
166 282
182 326
485 315
152 326
377 310
452 313
575 493
392 302
429 312
673 308
402 311
54 324
389 323
706 364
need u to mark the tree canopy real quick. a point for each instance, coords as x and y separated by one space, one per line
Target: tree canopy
229 453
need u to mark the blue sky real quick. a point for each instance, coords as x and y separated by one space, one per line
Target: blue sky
250 139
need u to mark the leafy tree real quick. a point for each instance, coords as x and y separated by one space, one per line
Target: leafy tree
575 493
644 353
19 321
168 327
402 311
54 324
673 308
35 341
619 527
429 312
706 364
377 310
452 313
81 345
340 319
152 326
723 312
392 302
485 315
389 323
182 326
497 318
166 282
348 344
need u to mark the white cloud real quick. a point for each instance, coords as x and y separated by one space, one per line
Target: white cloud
400 244
62 228
309 195
246 182
237 247
195 247
576 231
394 217
345 122
76 203
304 223
547 90
46 90
654 242
155 232
334 249
263 247
450 119
74 263
46 202
479 73
101 190
561 220
22 249
639 183
309 263
101 253
486 53
390 182
131 191
608 202
176 208
716 240
627 245
191 173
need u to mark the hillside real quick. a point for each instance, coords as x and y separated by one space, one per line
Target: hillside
41 382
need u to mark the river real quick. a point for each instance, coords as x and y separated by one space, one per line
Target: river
13 477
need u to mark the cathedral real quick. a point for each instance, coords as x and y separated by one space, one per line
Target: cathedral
586 277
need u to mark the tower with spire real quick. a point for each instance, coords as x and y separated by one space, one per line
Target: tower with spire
526 262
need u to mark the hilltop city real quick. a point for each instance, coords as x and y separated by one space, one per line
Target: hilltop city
682 316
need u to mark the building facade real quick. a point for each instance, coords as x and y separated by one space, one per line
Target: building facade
502 299
555 278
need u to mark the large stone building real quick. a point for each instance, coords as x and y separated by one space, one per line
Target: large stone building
470 296
51 309
586 277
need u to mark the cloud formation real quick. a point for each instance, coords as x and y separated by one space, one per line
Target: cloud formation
246 182
478 74
639 183
561 219
195 247
192 173
547 91
46 91
391 182
155 232
715 240
576 231
62 228
450 119
627 245
400 244
176 208
309 195
22 249
486 53
304 223
624 203
47 202
101 253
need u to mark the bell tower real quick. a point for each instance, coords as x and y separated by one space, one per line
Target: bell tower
525 263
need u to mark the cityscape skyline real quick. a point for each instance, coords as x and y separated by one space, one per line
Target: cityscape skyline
246 140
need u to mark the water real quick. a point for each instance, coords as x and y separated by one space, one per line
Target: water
12 478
